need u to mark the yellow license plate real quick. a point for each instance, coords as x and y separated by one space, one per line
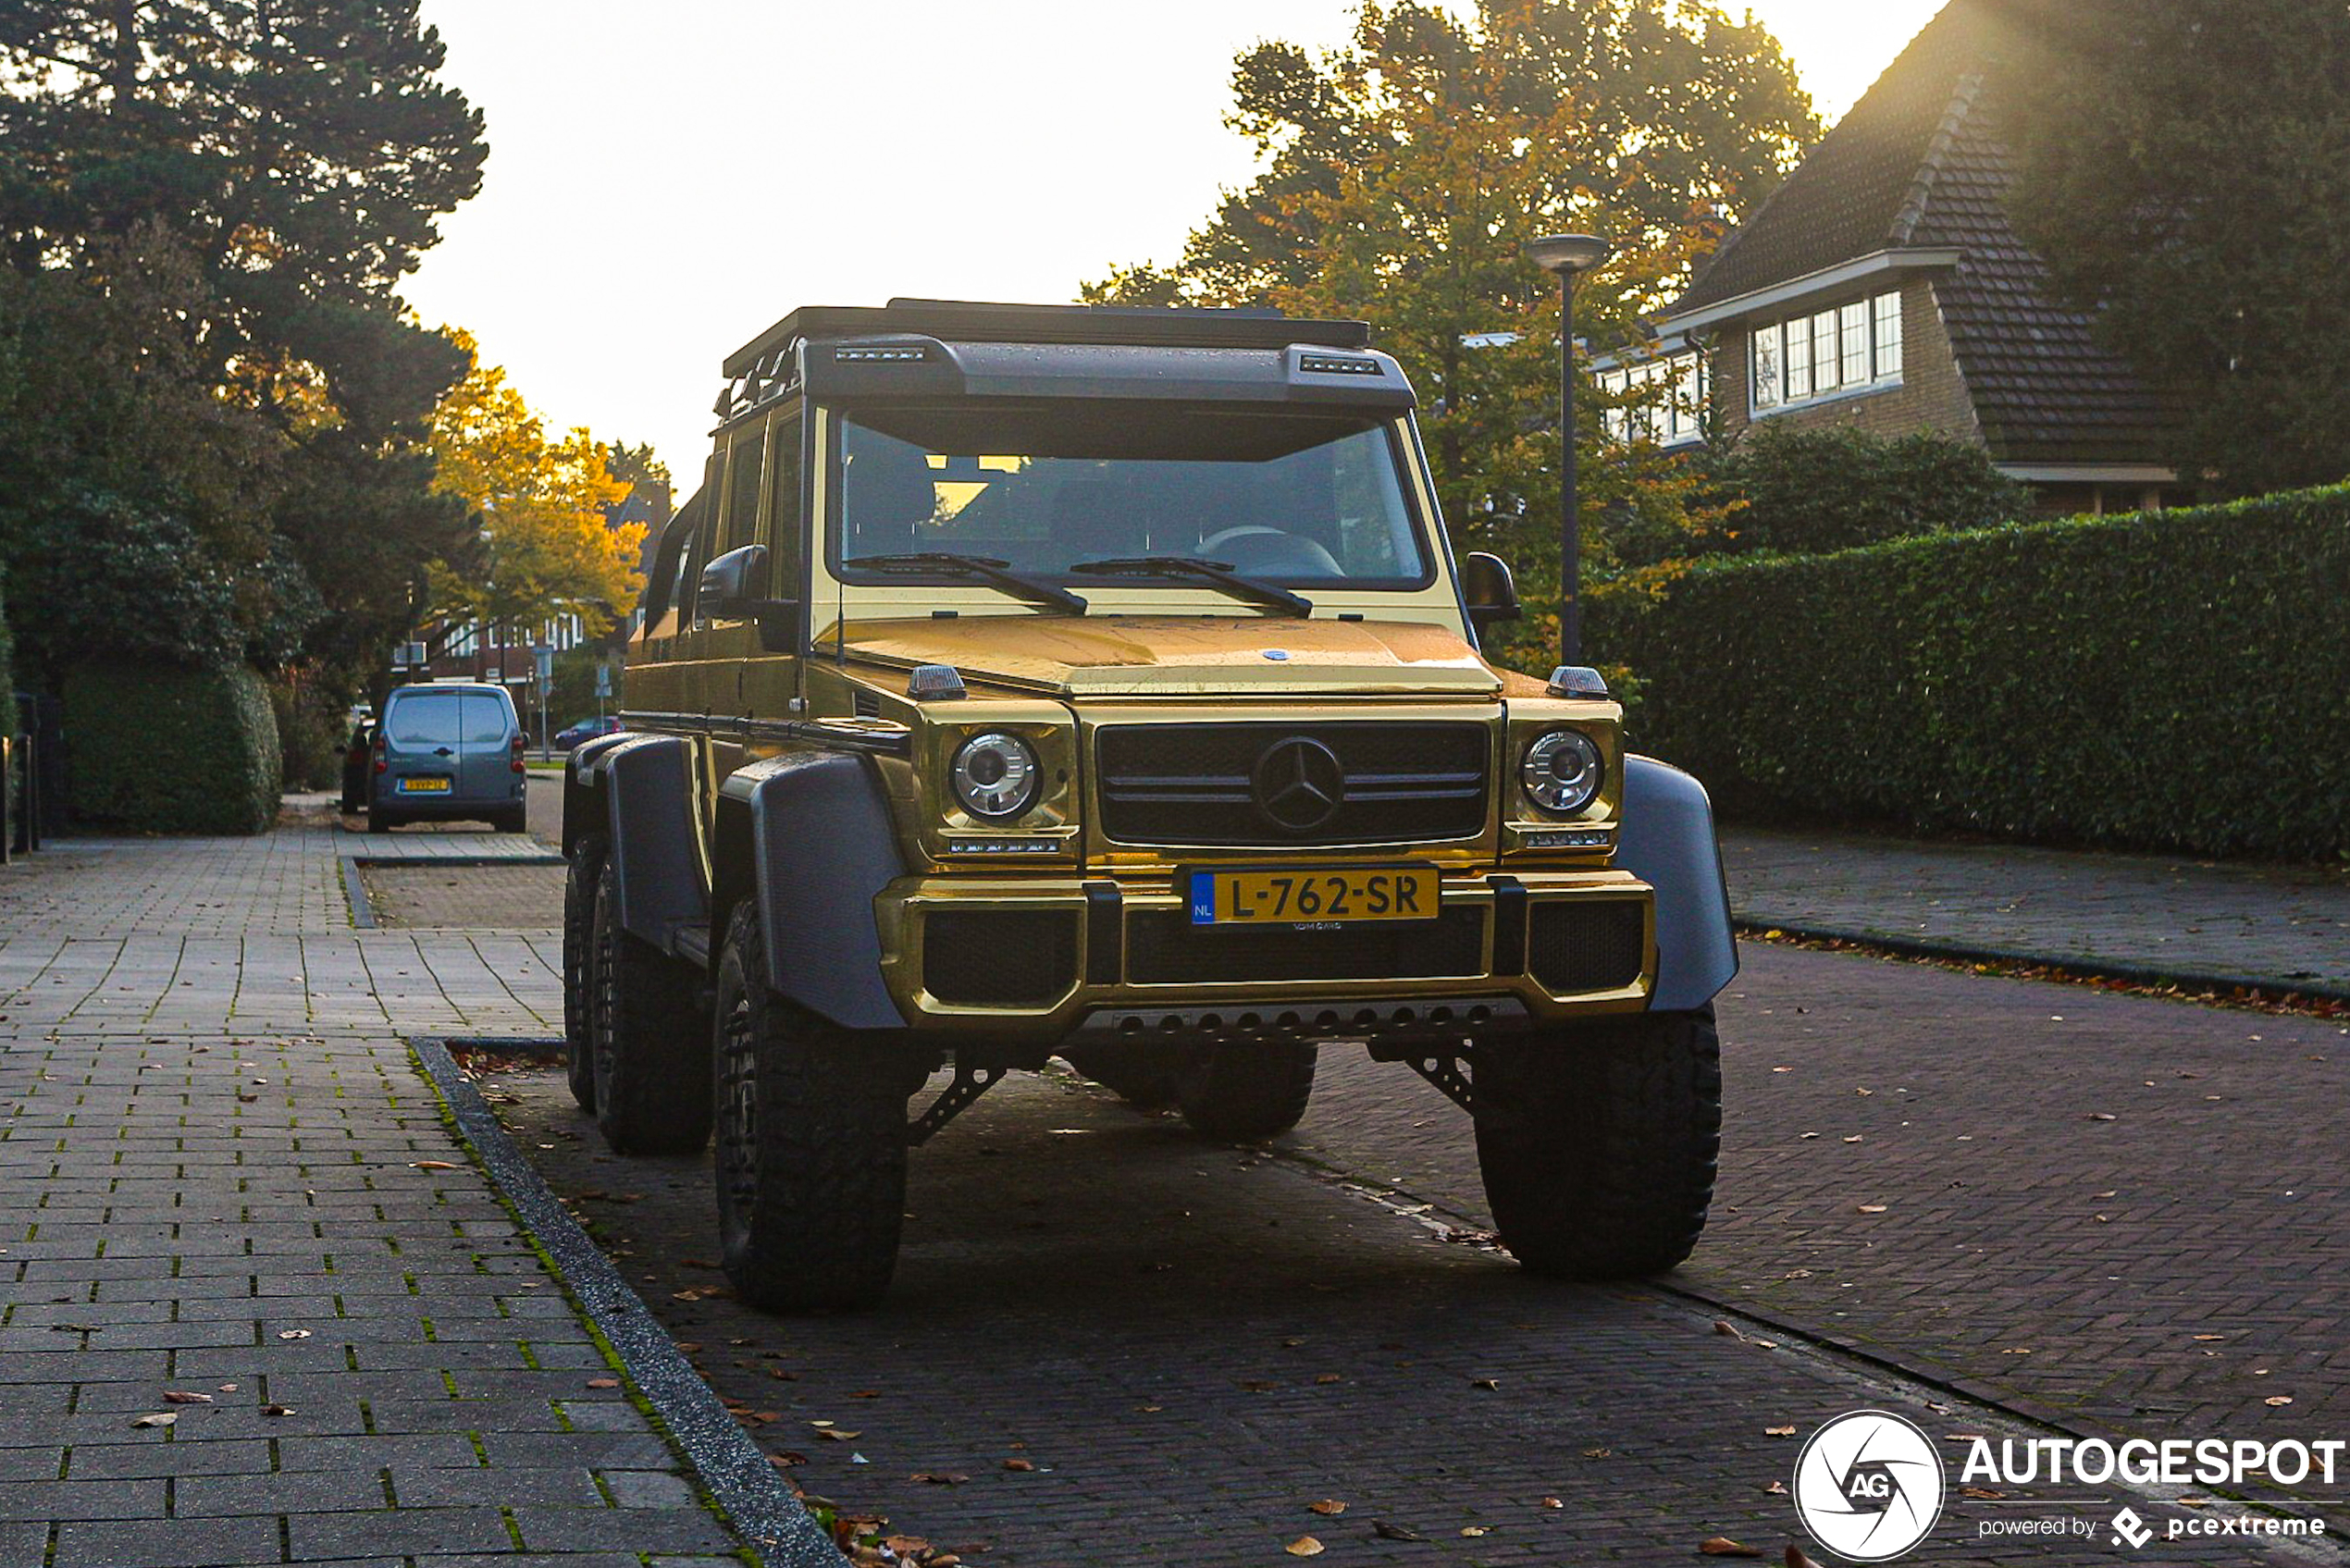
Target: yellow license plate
1325 895
424 786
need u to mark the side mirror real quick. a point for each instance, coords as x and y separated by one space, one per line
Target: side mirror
732 589
730 583
1488 590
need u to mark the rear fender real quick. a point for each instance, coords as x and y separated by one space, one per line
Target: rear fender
647 785
809 836
1668 842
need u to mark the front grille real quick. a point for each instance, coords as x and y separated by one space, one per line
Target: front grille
1164 949
1585 944
999 958
1398 782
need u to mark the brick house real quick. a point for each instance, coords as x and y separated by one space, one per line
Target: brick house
1883 286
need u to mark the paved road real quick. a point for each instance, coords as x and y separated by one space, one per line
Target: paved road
2282 926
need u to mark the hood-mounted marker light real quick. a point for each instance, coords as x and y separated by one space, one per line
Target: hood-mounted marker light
1577 681
935 683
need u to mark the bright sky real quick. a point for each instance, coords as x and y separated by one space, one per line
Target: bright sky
664 181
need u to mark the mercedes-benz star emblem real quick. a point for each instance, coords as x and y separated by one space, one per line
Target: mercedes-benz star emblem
1299 783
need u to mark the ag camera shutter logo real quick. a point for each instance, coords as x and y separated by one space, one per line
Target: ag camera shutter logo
1869 1486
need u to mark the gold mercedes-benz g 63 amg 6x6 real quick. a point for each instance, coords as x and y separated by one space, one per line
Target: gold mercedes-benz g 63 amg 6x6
1033 680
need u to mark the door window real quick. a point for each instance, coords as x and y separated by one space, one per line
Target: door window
484 718
742 489
783 529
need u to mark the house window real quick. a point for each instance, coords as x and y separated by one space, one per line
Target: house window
1849 348
1665 400
1766 368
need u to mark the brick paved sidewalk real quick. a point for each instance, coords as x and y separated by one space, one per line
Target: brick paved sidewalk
2169 916
222 1177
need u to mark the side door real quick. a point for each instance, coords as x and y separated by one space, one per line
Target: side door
486 749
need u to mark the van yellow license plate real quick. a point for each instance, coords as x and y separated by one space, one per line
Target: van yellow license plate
1313 896
424 786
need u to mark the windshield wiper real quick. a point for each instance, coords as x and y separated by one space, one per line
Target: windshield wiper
1033 589
1219 572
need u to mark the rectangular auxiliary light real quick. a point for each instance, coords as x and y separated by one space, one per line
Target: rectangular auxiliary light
899 355
1002 845
1567 838
1333 365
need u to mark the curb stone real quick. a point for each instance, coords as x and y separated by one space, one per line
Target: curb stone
2086 964
731 1469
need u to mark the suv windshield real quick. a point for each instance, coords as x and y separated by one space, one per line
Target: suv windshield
1291 497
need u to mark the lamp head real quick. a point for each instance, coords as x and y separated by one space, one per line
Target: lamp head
1568 254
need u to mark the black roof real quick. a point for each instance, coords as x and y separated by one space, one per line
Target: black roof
1920 163
969 321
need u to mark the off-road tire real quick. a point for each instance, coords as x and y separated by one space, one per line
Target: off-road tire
811 1168
1598 1143
1143 1076
579 915
1246 1090
649 1038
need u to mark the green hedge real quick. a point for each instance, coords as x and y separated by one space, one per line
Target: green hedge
2173 680
163 749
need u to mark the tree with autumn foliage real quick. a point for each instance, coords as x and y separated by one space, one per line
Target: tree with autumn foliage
540 503
1402 176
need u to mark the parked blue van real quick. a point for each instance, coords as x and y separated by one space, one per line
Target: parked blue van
448 749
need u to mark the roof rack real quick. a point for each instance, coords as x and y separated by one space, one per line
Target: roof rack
973 321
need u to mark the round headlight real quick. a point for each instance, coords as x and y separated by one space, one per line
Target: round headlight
1561 772
996 775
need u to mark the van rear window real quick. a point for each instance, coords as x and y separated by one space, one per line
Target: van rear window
427 718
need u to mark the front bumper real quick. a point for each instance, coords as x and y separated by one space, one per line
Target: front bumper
1045 960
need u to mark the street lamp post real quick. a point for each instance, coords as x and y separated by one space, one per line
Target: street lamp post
1567 255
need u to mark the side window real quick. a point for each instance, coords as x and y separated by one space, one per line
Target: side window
704 547
742 489
782 538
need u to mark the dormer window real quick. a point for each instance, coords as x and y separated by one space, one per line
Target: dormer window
1854 347
1673 418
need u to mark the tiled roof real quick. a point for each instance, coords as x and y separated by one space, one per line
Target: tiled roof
1920 163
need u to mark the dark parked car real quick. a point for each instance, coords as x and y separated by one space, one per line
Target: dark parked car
448 749
355 754
586 729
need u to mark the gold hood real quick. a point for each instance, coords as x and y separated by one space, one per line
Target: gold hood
1182 656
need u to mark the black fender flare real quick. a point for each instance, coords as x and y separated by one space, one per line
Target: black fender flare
1668 842
808 834
640 791
584 808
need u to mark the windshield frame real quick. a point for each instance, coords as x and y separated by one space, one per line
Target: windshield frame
1391 427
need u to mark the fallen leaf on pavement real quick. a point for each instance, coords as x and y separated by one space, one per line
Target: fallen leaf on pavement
432 1164
939 1477
1327 1507
1388 1532
276 1410
786 1459
1489 1384
835 1434
179 1396
2278 1398
1722 1325
1722 1546
2210 1337
1854 1139
161 1418
1329 1377
1022 1465
1551 1502
1870 1208
2099 1116
1981 1494
603 1382
1472 1531
1795 1558
1598 1454
1779 1431
1777 1488
293 1333
1304 1545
